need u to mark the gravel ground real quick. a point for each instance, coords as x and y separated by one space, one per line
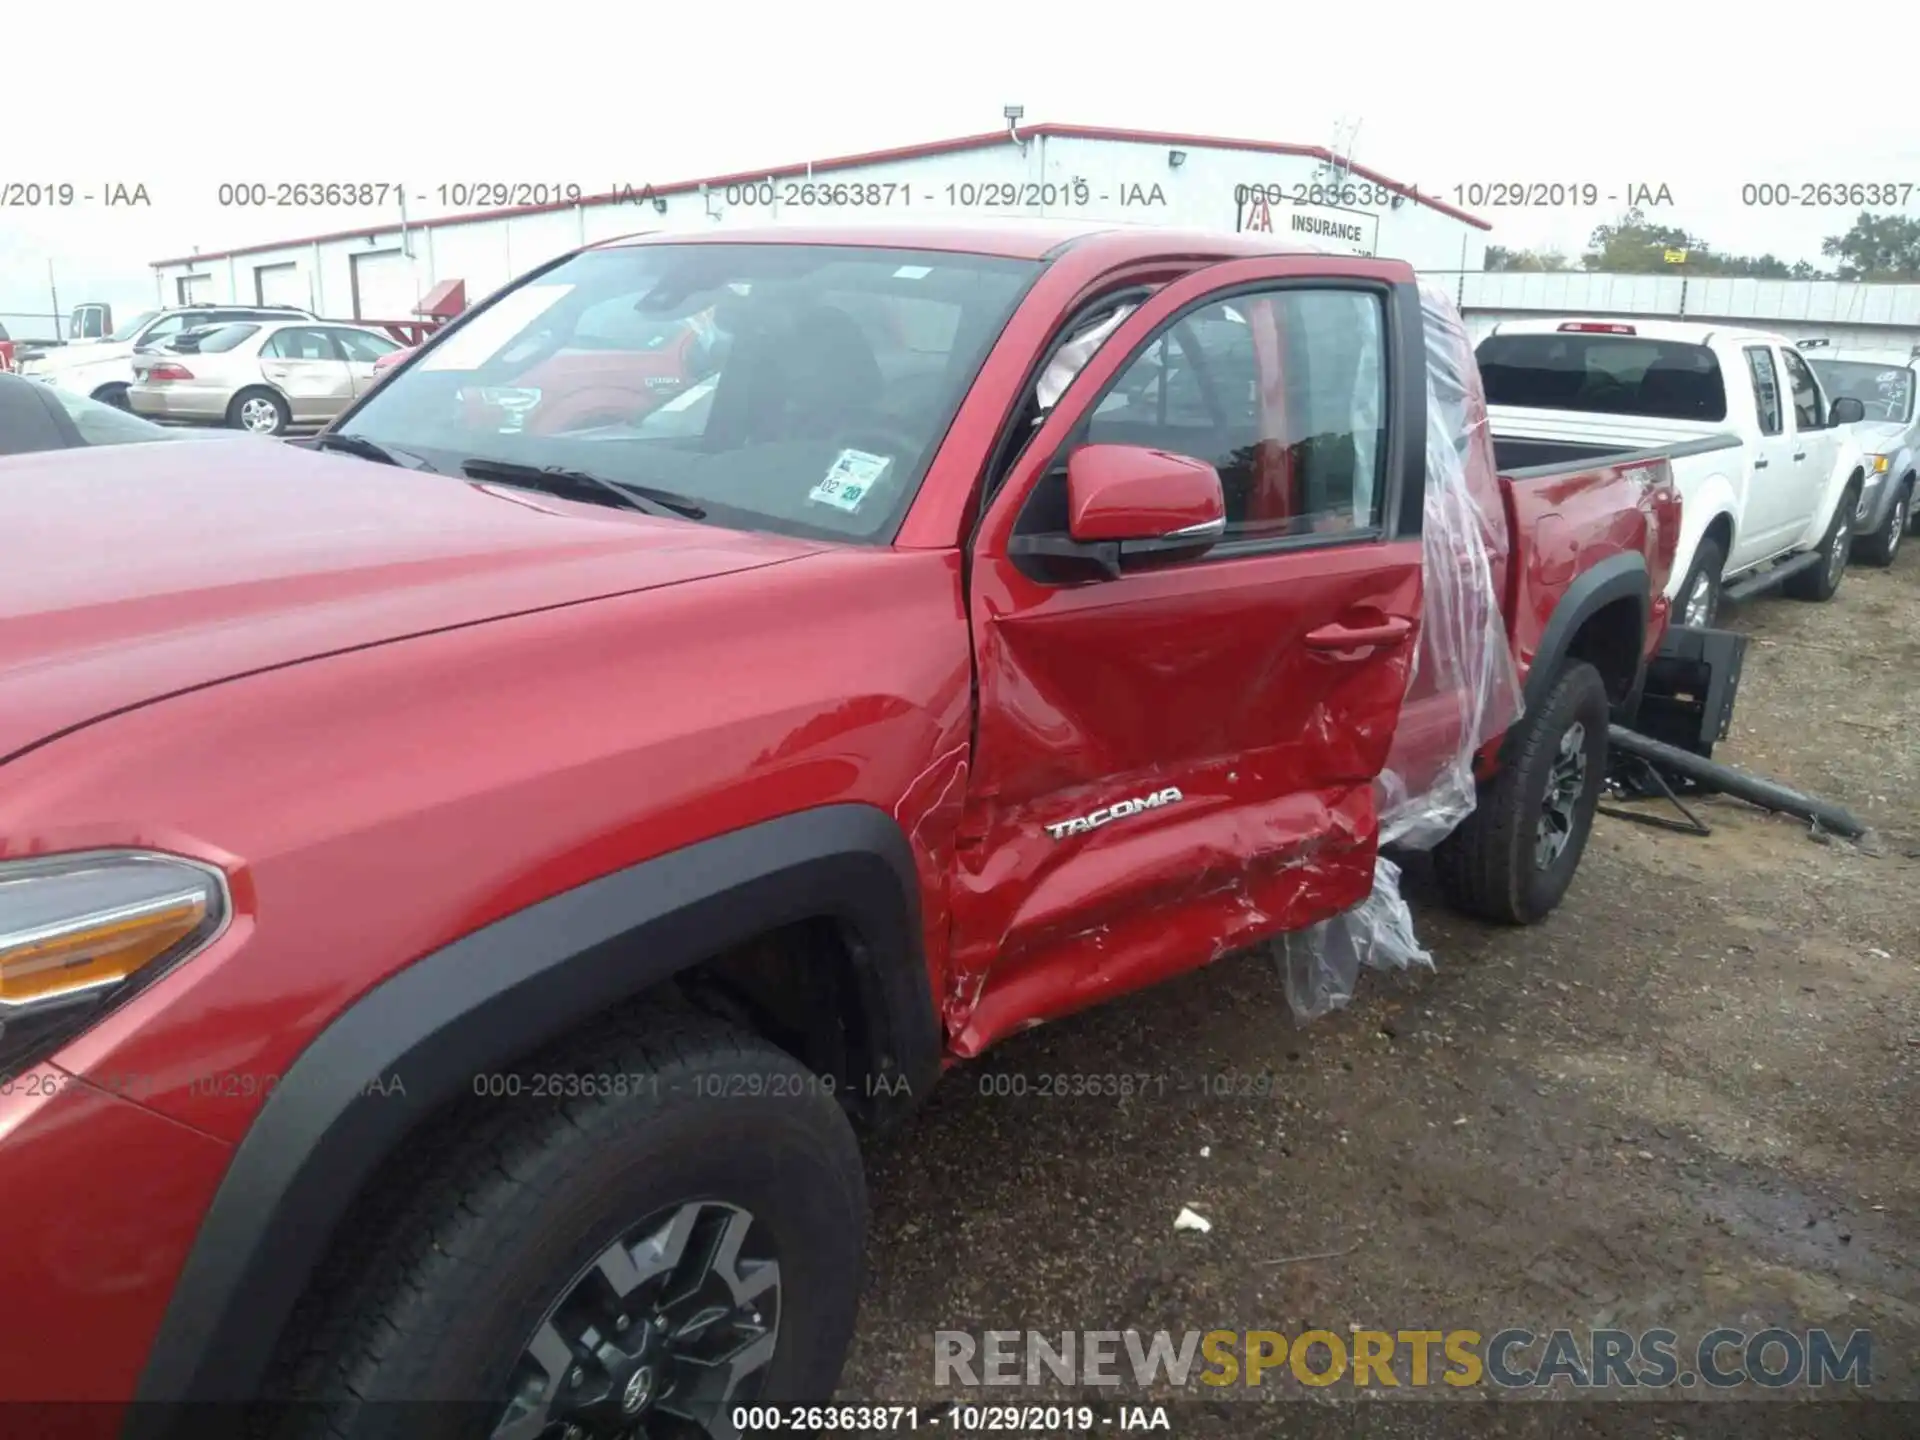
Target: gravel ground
1686 1100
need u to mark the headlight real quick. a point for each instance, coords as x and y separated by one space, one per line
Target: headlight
80 932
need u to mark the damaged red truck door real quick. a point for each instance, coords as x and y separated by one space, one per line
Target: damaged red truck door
1179 760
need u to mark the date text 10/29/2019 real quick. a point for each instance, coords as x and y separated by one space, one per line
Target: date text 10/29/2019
211 1084
1073 193
956 1417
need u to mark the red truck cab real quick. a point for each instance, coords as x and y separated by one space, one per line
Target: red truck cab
462 892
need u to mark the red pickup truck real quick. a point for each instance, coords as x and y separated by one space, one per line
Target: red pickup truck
464 887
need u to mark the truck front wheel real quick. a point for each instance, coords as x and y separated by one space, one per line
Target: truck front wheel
1882 545
677 1234
1512 859
1821 582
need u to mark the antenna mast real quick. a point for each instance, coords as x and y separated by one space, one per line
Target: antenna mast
1345 130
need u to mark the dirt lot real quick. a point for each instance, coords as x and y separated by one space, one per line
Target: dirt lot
1689 1100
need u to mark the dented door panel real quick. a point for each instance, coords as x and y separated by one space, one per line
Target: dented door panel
1167 766
1195 679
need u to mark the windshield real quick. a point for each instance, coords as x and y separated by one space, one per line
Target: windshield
796 388
132 327
1885 391
1603 374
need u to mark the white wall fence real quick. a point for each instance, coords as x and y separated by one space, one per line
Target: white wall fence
1849 315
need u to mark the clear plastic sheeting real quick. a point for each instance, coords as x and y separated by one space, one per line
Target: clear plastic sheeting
1463 677
1071 358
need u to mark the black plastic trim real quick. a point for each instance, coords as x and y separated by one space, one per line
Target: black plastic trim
1406 350
488 1000
1618 577
1724 440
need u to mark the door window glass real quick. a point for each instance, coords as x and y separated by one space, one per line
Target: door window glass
1808 412
362 347
1766 388
1283 393
299 344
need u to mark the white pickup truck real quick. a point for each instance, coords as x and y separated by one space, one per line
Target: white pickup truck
1768 469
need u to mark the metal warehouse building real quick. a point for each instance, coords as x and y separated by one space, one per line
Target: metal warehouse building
381 272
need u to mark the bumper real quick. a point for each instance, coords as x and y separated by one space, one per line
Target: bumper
178 402
104 1200
1875 501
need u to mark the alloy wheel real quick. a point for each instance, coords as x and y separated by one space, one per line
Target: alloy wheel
1699 607
259 416
1565 785
1837 554
659 1338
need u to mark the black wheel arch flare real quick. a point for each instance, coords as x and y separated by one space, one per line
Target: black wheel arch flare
1618 577
484 1002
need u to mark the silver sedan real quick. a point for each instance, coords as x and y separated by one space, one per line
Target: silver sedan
260 376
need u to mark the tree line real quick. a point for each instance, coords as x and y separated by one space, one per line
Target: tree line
1877 248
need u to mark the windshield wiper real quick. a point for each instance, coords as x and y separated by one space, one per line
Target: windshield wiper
559 480
362 447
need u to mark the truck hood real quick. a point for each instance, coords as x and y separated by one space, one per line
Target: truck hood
129 573
70 357
1880 437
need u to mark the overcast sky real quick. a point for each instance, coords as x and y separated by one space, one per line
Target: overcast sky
1697 98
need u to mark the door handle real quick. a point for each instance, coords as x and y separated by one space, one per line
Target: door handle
1359 637
1759 464
1799 454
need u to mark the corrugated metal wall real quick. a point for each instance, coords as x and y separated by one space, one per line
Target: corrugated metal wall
1851 316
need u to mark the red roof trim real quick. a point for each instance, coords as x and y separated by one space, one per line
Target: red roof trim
844 162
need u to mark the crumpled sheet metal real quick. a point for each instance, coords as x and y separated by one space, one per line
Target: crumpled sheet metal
1463 653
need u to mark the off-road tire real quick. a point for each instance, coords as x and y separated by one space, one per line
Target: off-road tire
1487 867
1882 545
1710 561
515 1201
1821 582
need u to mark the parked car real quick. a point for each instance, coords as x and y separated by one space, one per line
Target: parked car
1890 436
473 884
1770 471
257 376
35 417
103 369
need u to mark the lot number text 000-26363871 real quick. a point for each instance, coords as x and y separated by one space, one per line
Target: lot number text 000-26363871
1813 194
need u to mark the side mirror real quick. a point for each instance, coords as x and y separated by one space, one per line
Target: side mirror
1134 495
1128 503
1846 411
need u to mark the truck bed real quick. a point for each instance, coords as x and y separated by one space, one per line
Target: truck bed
1528 457
1565 517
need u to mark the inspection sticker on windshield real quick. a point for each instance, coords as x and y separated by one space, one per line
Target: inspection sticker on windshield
849 479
